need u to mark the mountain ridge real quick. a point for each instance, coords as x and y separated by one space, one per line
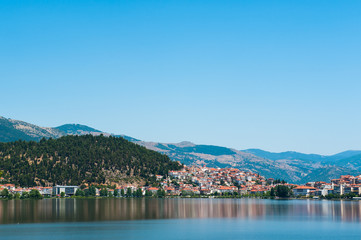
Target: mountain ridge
304 156
292 166
25 131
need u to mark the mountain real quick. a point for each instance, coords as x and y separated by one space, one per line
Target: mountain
214 156
291 166
12 130
343 155
77 129
325 173
290 155
74 160
314 166
353 162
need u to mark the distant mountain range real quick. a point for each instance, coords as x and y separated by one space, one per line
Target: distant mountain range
291 166
290 155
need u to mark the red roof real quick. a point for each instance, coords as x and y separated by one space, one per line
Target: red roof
305 187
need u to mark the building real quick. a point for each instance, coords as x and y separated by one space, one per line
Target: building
68 190
303 190
46 191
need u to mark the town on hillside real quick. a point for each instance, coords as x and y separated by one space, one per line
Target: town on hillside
200 181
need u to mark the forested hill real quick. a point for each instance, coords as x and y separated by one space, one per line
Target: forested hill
74 160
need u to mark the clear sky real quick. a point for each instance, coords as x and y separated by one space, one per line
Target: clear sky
276 75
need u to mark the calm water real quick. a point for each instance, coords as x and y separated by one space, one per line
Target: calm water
179 219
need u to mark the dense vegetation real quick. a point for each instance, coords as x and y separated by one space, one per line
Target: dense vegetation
74 160
33 194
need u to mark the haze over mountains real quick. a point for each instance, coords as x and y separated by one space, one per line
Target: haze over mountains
292 166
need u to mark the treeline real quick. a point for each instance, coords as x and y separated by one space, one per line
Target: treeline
74 160
33 194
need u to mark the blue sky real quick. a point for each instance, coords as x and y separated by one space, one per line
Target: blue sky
276 75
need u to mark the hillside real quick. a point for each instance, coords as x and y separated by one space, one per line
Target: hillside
214 156
80 159
291 155
77 129
292 166
353 162
325 173
12 130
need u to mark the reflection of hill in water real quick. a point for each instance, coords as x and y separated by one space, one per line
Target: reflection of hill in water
78 210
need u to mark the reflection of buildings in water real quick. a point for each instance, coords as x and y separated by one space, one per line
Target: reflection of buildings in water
55 210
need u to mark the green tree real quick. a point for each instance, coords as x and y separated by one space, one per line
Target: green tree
91 191
103 192
79 193
116 193
4 193
283 191
24 195
122 192
160 193
148 193
129 192
62 194
139 193
10 196
272 192
35 194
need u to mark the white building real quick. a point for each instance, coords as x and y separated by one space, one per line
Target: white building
68 190
302 190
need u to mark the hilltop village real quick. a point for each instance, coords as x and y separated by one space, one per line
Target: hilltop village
201 181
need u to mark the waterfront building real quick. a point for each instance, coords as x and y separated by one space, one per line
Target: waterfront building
68 190
303 190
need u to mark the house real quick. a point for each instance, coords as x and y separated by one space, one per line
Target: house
226 189
9 186
153 190
169 190
205 191
243 190
327 190
303 190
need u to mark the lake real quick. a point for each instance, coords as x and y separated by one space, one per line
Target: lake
179 219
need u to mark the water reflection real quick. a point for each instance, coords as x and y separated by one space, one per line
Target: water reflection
69 210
